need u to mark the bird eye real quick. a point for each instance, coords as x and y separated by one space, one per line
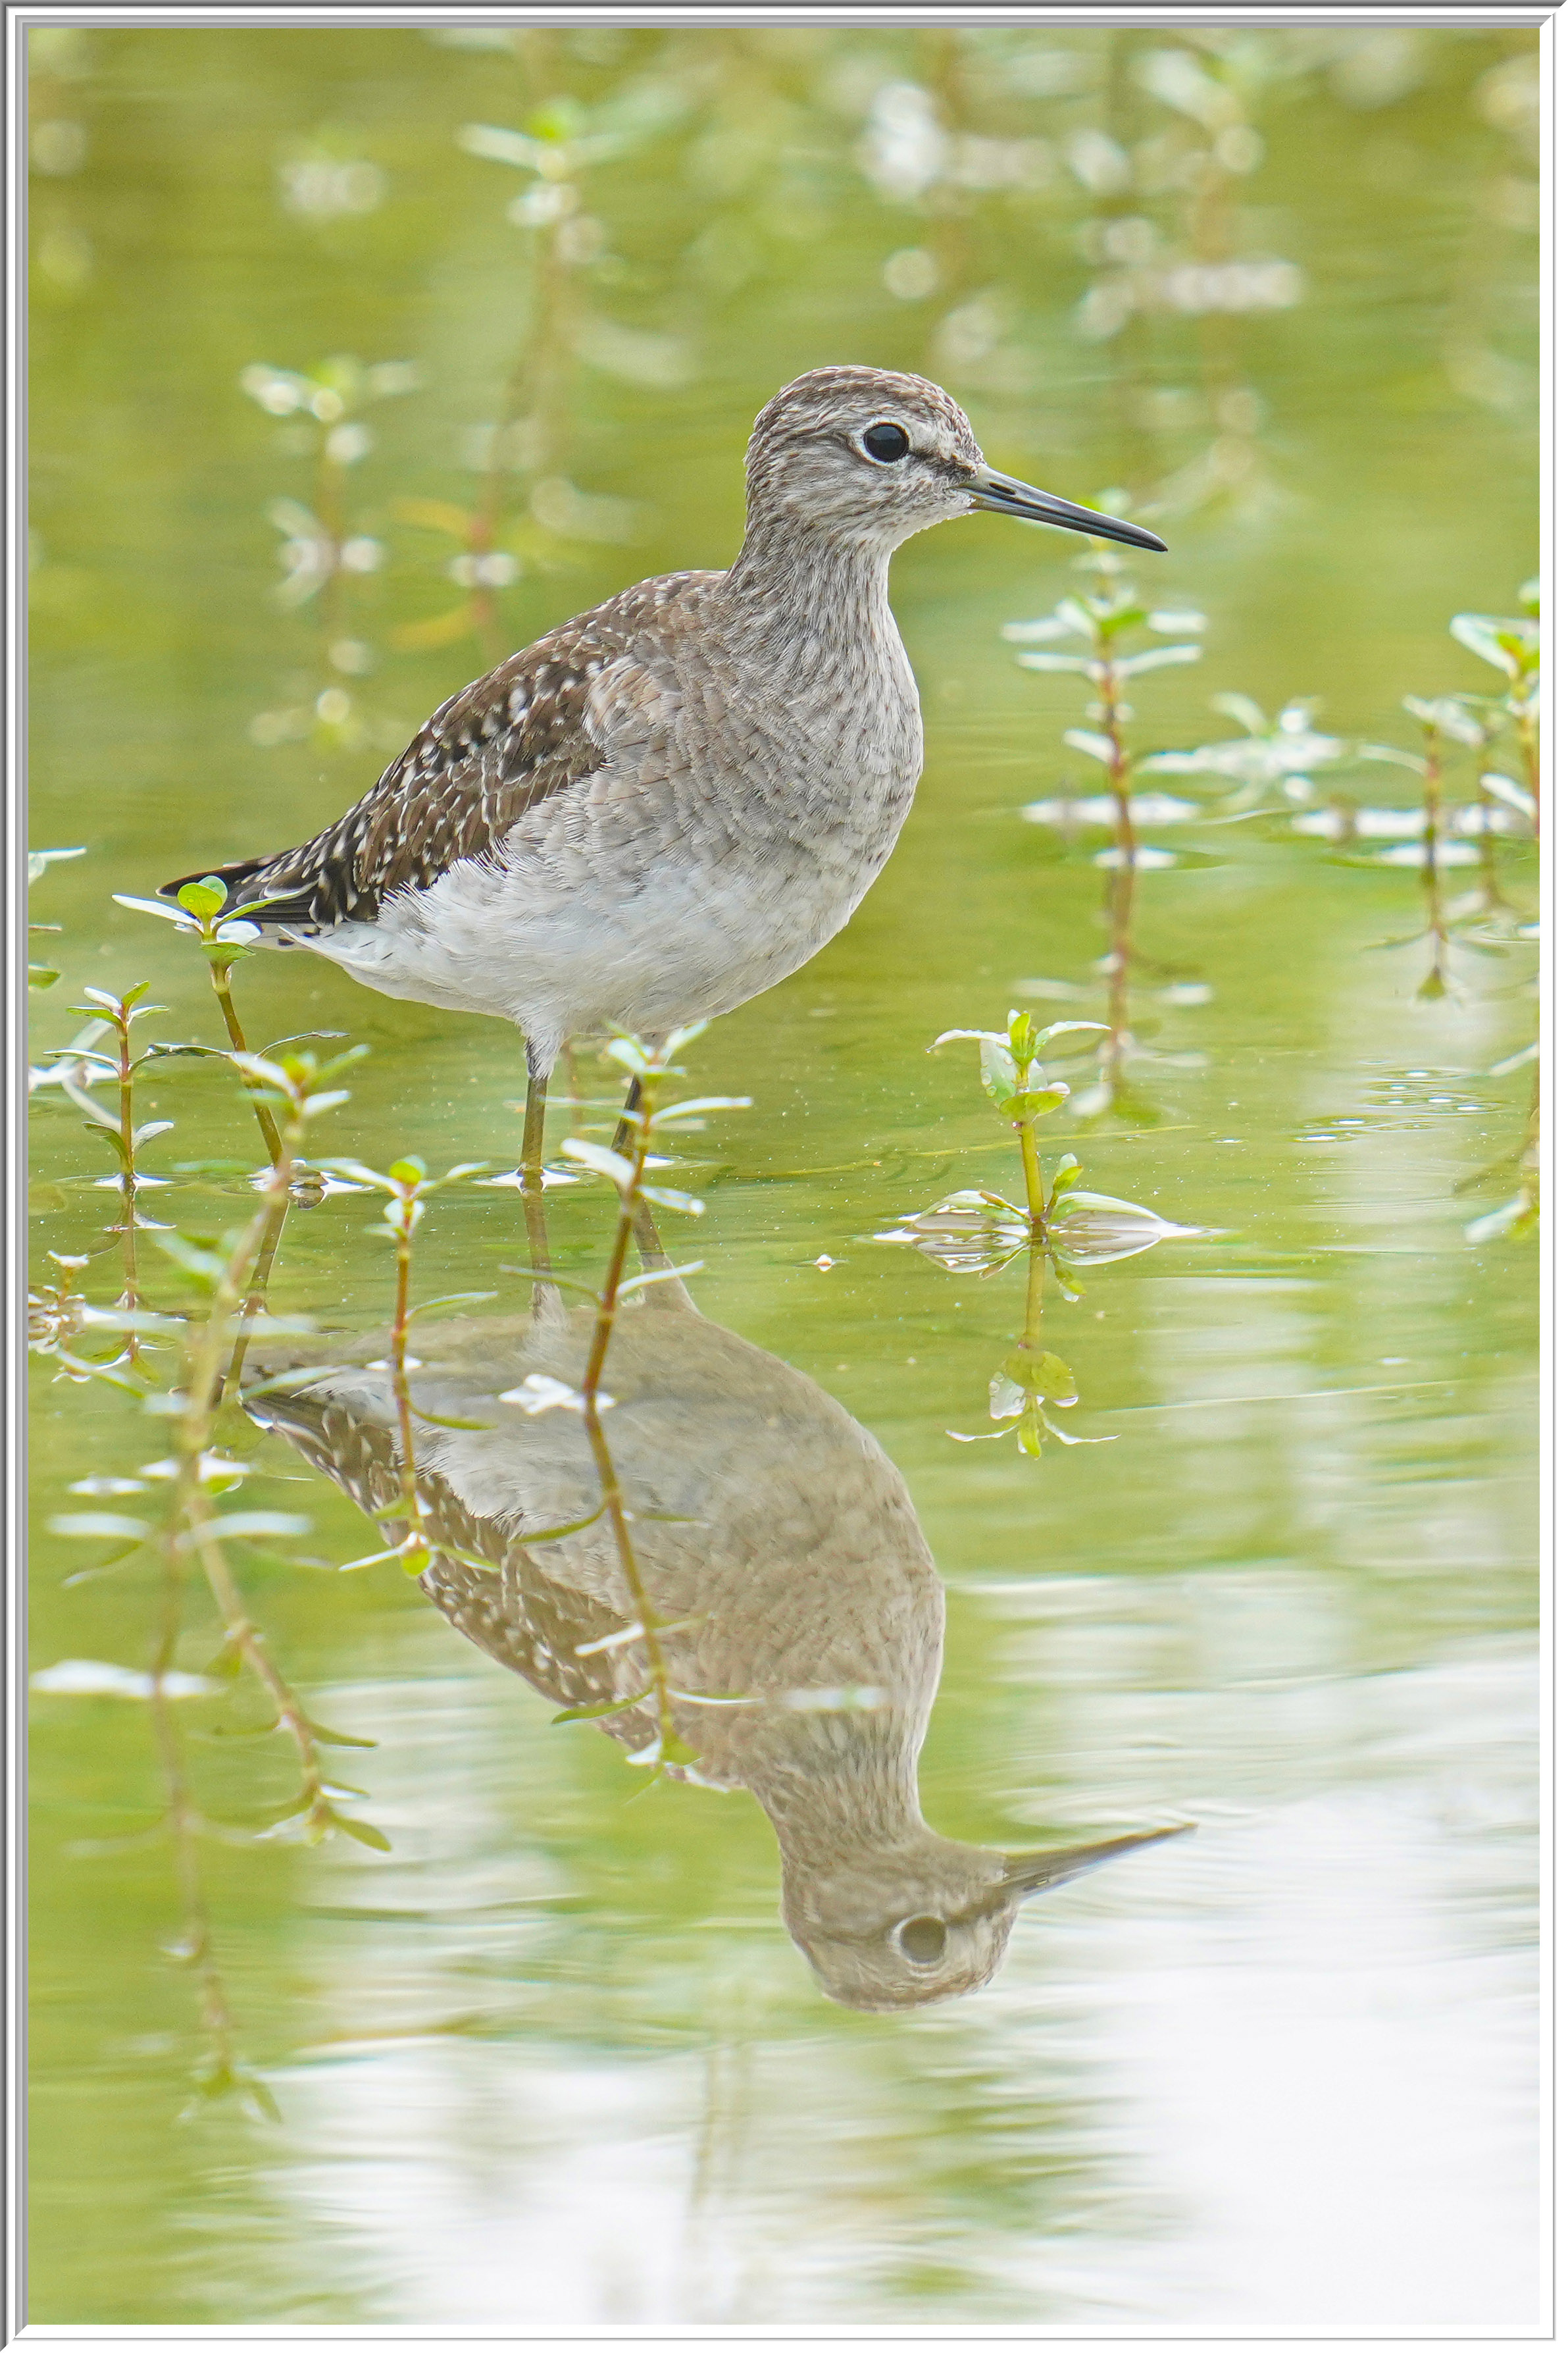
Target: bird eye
922 1941
886 443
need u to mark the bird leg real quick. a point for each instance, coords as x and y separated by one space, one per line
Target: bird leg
530 1169
623 1143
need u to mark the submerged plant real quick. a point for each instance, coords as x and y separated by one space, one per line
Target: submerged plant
119 1127
408 1186
1062 1228
649 1067
195 1531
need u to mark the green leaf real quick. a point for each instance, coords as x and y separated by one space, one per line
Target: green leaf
631 1054
601 1159
153 907
658 1274
451 1299
1082 663
605 1707
455 1175
92 1112
998 1072
567 1528
209 1264
1507 789
365 1833
1513 1219
203 900
411 1171
1509 645
1392 757
336 1740
1042 1374
100 1524
1244 711
40 860
1038 1102
1157 658
548 1274
258 1523
663 1197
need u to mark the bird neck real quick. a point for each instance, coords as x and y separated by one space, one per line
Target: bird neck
841 1783
793 580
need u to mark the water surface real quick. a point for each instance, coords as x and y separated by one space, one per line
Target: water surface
555 2058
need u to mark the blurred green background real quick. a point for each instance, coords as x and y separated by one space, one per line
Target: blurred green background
359 356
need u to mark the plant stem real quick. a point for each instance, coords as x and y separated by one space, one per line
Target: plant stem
193 1521
184 1824
1034 1186
1034 1299
609 1481
413 1510
264 1119
256 1295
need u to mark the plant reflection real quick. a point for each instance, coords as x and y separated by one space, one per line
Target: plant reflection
801 1612
1063 1228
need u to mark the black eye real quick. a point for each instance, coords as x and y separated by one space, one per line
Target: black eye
886 443
922 1941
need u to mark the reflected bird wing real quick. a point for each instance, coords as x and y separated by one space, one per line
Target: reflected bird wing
521 1617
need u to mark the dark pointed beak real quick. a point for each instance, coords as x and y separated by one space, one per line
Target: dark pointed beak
1000 494
1031 1874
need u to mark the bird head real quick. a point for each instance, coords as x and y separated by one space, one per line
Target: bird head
926 1920
869 455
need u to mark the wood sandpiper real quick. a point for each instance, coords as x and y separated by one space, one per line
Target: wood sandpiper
780 1549
667 805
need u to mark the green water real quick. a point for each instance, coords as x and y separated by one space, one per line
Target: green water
552 2060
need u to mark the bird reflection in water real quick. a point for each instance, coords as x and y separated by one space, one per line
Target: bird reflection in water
775 1532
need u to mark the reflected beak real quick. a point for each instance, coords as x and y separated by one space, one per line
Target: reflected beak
1031 1874
1000 494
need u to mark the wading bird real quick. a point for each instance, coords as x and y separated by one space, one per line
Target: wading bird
779 1548
668 804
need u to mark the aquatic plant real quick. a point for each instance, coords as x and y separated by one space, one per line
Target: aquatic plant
193 1531
649 1067
1063 1229
324 550
43 976
1095 635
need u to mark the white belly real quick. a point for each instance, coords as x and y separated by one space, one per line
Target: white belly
645 949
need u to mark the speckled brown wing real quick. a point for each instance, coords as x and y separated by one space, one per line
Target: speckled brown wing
523 1619
492 752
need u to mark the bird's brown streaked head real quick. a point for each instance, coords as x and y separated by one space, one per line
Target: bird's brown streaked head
929 1919
871 455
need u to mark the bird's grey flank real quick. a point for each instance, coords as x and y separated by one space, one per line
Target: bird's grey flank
669 803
